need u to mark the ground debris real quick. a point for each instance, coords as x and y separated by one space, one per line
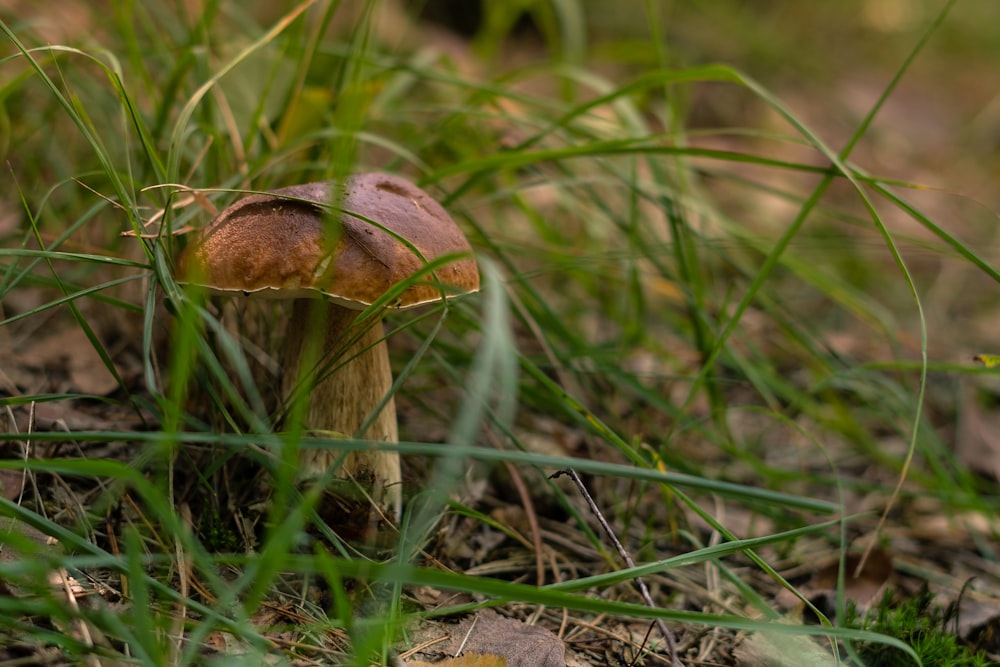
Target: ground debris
495 640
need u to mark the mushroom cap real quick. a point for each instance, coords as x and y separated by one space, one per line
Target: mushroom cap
285 244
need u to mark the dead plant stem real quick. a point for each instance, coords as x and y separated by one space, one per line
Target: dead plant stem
643 589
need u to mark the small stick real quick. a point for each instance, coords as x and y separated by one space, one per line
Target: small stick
643 590
529 510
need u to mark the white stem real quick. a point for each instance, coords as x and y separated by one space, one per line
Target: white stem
358 379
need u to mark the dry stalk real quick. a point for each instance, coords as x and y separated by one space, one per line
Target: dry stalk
643 589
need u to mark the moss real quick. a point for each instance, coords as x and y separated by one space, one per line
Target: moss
218 534
918 622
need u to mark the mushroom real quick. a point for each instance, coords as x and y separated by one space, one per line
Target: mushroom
285 245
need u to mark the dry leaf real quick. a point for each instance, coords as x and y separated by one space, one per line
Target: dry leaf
62 415
488 633
978 622
186 229
863 589
12 483
781 649
985 636
467 660
10 219
39 541
72 351
63 585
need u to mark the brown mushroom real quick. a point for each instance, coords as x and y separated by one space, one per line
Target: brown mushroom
285 245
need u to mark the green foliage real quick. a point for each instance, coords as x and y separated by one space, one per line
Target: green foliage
653 316
217 534
918 622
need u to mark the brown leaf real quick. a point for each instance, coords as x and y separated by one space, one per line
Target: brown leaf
522 645
62 415
978 621
865 587
984 636
71 351
10 529
10 219
467 660
11 483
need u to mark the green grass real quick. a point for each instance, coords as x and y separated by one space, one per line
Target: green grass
657 306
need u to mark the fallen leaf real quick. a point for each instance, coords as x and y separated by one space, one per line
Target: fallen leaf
12 483
19 541
71 351
522 645
10 219
62 415
985 637
781 649
863 587
978 622
467 660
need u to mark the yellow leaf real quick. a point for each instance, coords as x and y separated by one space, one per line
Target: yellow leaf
988 360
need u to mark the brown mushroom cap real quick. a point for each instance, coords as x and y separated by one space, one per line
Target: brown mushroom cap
283 245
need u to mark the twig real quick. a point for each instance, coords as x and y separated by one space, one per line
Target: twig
465 639
529 510
643 590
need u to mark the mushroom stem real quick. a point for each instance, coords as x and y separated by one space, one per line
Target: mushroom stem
345 395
